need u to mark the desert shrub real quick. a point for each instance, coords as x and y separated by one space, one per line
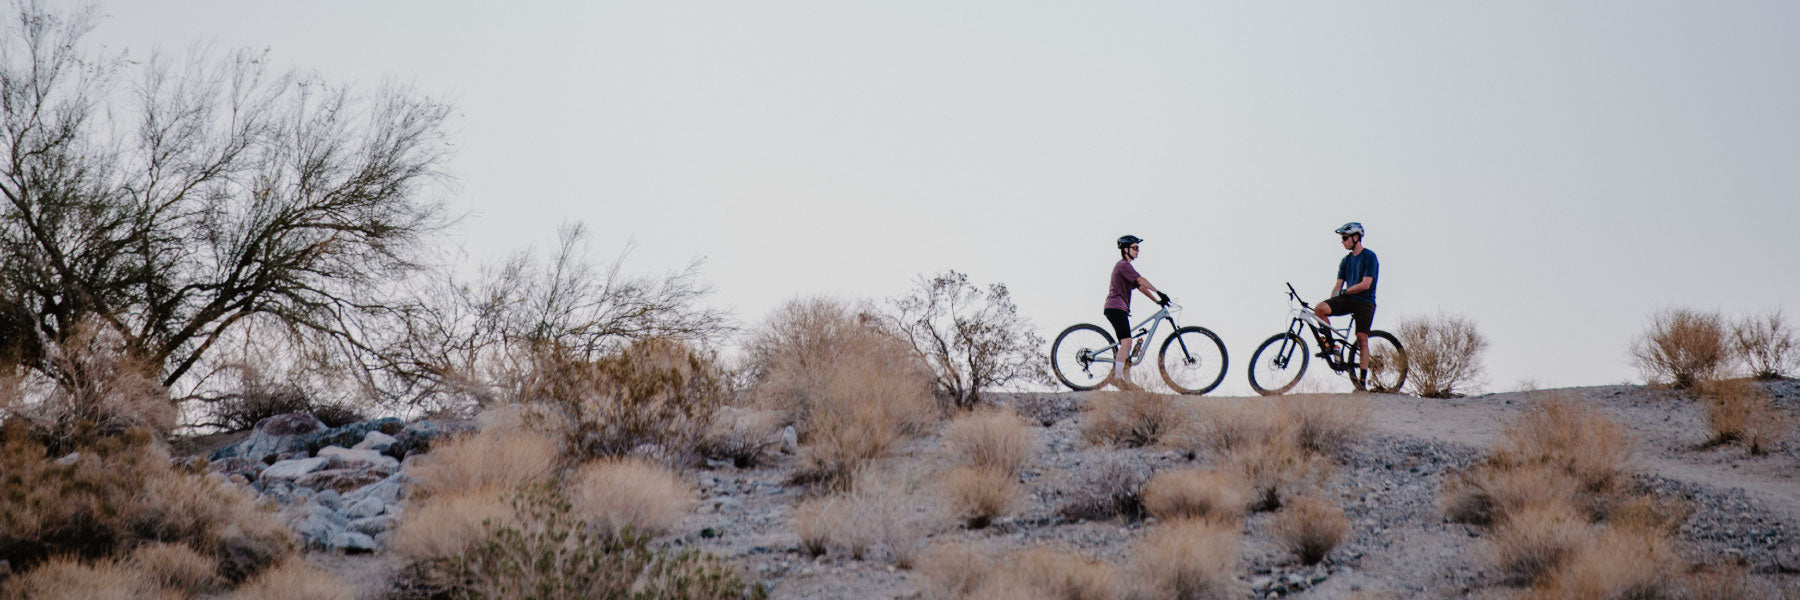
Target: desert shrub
1065 575
1559 429
978 495
1443 352
1222 428
1648 513
1323 424
1725 582
1191 493
444 526
1275 470
1741 411
1310 527
174 567
1487 492
850 391
1111 489
879 515
1766 344
992 439
66 578
1683 346
619 495
295 580
746 438
95 503
542 551
1131 419
90 387
1534 540
657 394
954 570
1188 559
495 460
1619 563
973 338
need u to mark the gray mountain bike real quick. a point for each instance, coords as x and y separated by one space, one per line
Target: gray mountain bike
1280 361
1192 359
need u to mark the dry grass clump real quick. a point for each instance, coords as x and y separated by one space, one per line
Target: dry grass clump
880 515
98 390
295 580
1486 493
65 578
617 494
958 573
1275 470
979 495
495 460
1726 582
1619 563
1220 429
1648 513
1444 351
1534 540
1310 527
1561 430
175 567
118 492
1323 424
1189 559
1132 419
1766 344
747 438
1192 493
1112 489
448 524
655 396
992 439
1741 411
1683 346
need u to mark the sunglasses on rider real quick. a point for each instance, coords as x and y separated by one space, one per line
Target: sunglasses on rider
1345 237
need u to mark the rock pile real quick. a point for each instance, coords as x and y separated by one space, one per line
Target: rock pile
338 487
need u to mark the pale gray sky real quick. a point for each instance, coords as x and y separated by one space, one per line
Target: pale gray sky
1556 170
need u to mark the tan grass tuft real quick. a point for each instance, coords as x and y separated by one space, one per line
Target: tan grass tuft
1488 492
1534 540
1111 489
1191 493
1221 428
616 494
1131 419
65 578
1741 411
880 514
1645 513
1683 346
1274 471
1189 559
295 580
1325 425
1444 354
977 496
1726 582
1065 575
1310 527
496 460
868 398
1562 430
447 525
954 570
992 439
175 567
1619 563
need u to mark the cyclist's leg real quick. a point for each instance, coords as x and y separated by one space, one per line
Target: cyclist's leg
1121 325
1364 318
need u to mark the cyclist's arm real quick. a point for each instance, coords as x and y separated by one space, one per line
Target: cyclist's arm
1336 287
1361 286
1149 291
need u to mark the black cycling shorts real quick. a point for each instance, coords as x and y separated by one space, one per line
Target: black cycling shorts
1363 313
1121 324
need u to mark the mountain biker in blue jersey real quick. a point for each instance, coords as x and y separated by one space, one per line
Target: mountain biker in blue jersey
1354 291
1118 306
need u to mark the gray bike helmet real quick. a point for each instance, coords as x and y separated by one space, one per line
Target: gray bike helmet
1129 240
1351 228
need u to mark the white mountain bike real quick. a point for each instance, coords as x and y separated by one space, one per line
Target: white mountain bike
1192 359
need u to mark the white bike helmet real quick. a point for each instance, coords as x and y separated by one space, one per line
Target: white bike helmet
1351 228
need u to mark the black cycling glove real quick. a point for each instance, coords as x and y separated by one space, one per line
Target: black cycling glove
1161 298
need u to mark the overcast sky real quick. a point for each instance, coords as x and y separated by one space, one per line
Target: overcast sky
1554 170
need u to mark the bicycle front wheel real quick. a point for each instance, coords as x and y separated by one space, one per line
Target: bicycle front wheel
1192 360
1387 365
1278 364
1082 356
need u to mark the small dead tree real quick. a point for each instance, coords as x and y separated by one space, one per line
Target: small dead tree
1445 352
973 337
1683 346
177 206
1766 344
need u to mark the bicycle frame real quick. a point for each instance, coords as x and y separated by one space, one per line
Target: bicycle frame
1138 332
1338 361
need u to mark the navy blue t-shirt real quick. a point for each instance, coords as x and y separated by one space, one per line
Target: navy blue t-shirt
1355 267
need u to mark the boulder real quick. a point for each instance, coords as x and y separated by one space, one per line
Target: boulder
368 459
375 525
238 465
417 438
365 508
281 433
295 468
340 480
352 542
375 440
330 499
350 435
387 490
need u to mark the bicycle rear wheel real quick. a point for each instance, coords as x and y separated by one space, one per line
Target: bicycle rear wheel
1387 365
1192 360
1278 364
1073 356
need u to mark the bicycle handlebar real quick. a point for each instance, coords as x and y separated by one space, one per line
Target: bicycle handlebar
1296 296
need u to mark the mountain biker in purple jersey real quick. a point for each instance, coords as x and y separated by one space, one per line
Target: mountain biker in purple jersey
1354 291
1118 307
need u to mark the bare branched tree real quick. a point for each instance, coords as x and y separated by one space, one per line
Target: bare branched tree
202 193
467 338
973 337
